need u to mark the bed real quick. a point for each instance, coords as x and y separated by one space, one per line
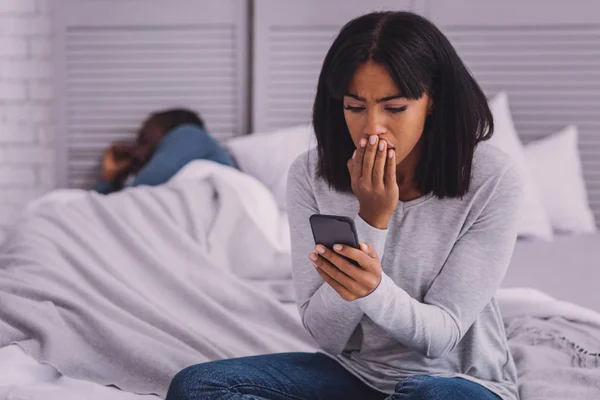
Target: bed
568 268
550 286
241 285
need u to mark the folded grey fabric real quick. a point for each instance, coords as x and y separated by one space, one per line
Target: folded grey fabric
556 358
130 288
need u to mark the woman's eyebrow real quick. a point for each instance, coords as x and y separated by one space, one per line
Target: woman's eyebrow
388 98
382 100
355 96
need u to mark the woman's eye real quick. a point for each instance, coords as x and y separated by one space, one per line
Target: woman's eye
396 110
354 109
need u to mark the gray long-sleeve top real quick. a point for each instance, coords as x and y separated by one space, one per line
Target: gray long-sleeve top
434 311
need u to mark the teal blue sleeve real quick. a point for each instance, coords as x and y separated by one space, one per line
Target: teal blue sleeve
103 187
182 145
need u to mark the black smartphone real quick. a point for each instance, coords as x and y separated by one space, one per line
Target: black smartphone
331 229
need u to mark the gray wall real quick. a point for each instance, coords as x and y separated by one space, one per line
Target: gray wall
27 167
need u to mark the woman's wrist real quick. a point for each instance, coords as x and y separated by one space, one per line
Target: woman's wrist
376 221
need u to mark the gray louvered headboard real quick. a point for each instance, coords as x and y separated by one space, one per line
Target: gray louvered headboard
544 54
117 61
290 42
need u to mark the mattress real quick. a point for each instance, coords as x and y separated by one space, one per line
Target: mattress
568 268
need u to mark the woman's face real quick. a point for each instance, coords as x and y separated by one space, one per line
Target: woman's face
375 106
148 139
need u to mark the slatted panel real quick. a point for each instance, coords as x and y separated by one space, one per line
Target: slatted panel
552 76
291 41
118 68
296 55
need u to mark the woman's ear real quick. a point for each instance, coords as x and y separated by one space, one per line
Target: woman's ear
430 105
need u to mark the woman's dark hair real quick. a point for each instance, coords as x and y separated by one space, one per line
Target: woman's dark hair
420 59
158 125
153 130
172 118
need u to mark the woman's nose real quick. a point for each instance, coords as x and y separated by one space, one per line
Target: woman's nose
375 124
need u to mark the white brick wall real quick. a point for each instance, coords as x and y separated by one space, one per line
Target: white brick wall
18 7
16 176
12 91
27 165
13 133
13 47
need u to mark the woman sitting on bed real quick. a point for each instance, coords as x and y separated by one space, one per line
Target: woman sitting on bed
401 128
167 141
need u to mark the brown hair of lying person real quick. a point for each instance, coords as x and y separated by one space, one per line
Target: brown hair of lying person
132 157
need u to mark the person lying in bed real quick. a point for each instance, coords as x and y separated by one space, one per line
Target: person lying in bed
401 128
166 142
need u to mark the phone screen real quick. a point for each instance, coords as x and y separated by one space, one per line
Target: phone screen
333 229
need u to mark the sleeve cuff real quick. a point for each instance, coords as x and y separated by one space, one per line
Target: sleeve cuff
369 234
333 300
376 301
102 187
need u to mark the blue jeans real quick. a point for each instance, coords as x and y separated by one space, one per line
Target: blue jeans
305 376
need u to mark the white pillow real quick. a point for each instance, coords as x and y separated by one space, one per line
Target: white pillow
535 222
268 156
556 167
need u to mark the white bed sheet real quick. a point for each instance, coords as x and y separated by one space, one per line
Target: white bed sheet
23 378
568 268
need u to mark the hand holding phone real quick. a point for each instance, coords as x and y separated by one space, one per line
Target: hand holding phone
349 282
334 229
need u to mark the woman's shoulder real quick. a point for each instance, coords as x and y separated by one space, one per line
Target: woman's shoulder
303 176
489 162
493 167
304 166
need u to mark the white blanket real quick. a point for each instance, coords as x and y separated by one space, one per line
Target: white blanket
555 345
128 289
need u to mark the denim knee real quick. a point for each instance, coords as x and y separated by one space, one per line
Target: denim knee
438 388
180 385
201 378
424 386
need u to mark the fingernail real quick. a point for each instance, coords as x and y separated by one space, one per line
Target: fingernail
313 256
391 154
363 142
320 249
354 154
381 145
337 247
373 139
